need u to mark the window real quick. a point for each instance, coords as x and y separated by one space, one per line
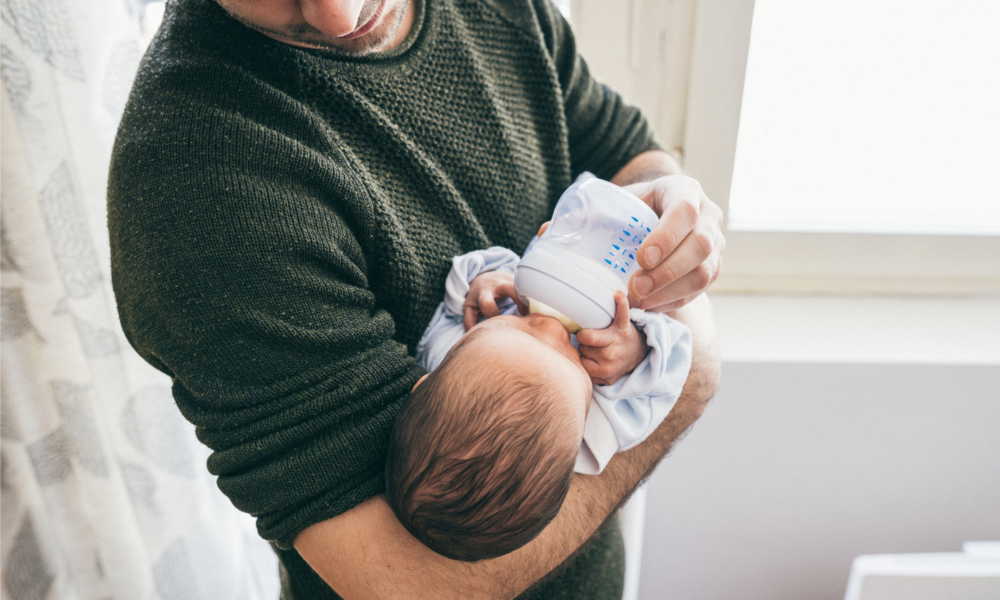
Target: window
876 117
834 188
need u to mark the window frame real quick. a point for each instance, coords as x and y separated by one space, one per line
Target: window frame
807 262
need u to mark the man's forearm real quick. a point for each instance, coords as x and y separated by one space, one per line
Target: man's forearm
366 553
647 167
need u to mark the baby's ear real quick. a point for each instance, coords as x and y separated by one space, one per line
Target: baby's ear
541 230
419 381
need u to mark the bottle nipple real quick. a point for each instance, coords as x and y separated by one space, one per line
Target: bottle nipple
534 306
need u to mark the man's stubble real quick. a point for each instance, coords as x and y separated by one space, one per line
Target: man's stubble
306 34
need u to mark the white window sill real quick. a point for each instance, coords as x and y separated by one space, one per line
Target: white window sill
872 329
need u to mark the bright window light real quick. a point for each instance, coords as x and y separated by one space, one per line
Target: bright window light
152 16
872 116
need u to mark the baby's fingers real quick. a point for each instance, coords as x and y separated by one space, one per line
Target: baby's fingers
488 304
470 316
598 338
594 353
591 366
619 328
621 324
601 371
506 290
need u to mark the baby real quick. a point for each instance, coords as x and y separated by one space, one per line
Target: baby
483 454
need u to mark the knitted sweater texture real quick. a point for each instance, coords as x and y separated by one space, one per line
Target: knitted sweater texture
282 222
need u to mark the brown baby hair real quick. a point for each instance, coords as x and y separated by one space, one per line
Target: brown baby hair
479 460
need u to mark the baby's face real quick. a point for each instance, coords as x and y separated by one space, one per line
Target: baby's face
539 345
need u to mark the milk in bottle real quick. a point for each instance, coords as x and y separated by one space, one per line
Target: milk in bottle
587 252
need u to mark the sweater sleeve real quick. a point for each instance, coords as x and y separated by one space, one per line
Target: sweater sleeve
605 132
240 260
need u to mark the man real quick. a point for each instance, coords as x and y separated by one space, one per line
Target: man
290 181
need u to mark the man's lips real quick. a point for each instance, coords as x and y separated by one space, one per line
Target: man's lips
372 22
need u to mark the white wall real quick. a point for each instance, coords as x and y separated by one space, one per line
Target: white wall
642 49
797 468
806 461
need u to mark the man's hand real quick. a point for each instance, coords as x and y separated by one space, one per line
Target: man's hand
484 291
609 353
682 256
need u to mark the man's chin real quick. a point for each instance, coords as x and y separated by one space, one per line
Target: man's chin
366 44
374 41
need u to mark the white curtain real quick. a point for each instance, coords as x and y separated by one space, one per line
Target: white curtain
105 494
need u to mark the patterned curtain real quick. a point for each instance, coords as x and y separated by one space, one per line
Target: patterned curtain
104 488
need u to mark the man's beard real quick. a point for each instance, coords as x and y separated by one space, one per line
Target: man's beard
372 41
367 12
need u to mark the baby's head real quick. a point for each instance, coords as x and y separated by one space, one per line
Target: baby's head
482 455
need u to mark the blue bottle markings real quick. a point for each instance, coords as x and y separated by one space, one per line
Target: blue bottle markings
629 245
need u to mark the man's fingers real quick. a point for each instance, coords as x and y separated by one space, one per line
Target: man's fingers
696 263
693 251
671 306
678 201
686 288
673 227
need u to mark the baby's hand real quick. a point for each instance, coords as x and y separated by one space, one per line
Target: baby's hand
609 353
483 294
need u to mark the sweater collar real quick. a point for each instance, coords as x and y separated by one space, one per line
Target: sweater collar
229 34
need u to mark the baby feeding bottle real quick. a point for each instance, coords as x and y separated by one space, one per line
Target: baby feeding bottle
587 252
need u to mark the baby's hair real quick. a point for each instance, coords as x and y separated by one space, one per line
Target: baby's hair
478 466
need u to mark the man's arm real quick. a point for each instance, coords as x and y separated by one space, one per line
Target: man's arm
646 167
366 553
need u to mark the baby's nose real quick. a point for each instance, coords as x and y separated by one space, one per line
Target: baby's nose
550 325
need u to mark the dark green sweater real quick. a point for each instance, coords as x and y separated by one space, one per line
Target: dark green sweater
282 222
